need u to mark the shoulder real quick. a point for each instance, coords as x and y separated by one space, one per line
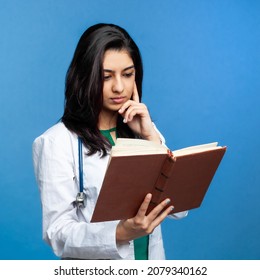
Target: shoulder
57 131
57 135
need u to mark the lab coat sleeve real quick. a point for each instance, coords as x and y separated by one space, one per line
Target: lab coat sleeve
62 229
179 215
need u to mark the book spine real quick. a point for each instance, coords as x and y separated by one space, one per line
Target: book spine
160 183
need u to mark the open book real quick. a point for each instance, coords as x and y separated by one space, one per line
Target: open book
138 167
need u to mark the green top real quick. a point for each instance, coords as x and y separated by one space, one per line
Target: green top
140 244
107 134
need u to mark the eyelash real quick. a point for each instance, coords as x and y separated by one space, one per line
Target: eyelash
126 75
106 78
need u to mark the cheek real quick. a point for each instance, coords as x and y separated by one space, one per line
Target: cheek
105 90
130 88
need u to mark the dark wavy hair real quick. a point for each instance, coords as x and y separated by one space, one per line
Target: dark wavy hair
84 84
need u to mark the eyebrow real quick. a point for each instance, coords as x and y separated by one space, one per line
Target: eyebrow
112 71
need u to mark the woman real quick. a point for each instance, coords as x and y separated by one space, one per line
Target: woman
103 93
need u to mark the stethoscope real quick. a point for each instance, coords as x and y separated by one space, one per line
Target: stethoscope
81 196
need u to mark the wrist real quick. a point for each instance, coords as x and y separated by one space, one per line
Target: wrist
123 233
154 136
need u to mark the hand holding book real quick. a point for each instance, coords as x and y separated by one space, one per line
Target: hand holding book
143 224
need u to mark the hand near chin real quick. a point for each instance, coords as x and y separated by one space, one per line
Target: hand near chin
137 117
142 224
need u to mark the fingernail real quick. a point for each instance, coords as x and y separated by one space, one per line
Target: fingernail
172 208
124 120
168 201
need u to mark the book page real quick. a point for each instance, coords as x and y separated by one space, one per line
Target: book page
128 147
197 149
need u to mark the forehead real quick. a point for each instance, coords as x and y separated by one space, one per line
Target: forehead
117 60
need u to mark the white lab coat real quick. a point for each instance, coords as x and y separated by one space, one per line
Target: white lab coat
68 230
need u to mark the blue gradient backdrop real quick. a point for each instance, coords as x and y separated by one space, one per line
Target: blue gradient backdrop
201 84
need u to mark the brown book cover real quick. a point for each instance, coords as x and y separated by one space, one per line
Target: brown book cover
183 176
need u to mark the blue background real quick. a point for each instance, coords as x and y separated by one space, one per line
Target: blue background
201 84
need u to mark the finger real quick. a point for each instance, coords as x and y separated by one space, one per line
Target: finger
129 106
135 94
133 111
158 209
144 206
125 106
158 220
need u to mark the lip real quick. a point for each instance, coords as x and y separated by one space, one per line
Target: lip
118 100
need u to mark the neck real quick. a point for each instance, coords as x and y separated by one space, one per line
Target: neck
107 120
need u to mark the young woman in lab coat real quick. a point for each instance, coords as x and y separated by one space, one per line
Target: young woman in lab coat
102 102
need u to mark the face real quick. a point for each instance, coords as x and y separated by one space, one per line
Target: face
119 79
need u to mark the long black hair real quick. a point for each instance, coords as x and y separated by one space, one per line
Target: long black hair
84 84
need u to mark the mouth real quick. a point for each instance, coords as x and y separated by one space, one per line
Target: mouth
118 100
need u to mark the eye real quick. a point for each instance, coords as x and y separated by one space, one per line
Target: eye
106 77
128 75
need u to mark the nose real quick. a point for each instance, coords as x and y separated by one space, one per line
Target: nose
118 85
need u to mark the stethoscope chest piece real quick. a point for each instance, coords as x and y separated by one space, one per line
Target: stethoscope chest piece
80 200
